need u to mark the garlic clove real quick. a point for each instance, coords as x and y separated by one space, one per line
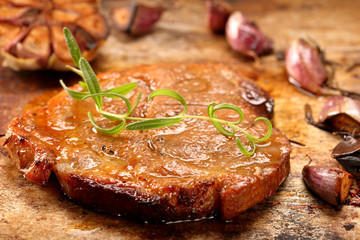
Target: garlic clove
217 14
305 66
136 19
245 37
145 19
329 183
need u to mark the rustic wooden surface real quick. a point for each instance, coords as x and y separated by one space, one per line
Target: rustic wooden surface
28 211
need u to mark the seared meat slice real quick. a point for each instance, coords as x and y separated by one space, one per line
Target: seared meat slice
185 171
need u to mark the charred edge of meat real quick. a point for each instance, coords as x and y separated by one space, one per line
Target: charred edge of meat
131 204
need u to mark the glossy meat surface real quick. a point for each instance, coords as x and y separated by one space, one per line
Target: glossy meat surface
185 171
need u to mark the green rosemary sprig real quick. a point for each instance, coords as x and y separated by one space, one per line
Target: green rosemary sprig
93 90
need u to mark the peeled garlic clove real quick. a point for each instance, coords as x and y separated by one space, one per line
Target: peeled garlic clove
305 66
329 183
217 14
245 37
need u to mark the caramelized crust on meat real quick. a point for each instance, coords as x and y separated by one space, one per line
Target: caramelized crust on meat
185 171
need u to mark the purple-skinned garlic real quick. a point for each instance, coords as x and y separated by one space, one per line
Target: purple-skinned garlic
217 14
136 19
305 66
339 114
331 184
245 37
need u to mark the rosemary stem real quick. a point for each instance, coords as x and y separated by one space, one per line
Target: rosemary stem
183 116
217 120
75 70
120 116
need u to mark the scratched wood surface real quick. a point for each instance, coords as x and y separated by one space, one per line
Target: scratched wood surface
28 211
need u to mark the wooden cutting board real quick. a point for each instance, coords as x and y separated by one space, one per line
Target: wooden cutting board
28 211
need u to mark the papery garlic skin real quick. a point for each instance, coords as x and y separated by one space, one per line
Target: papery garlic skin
347 153
305 66
245 37
339 104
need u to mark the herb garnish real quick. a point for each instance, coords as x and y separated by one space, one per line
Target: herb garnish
92 90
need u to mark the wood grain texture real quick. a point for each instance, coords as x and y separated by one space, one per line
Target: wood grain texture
28 211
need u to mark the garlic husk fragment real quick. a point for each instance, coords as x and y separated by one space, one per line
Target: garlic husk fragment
339 115
347 153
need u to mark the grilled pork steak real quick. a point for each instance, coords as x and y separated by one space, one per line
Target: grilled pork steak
185 171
